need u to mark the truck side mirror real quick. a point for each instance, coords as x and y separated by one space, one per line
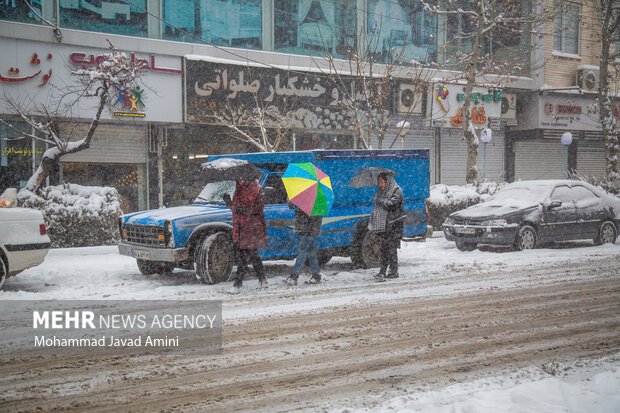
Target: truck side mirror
555 204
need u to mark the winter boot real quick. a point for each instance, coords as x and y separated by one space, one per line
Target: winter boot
315 279
291 280
262 283
236 287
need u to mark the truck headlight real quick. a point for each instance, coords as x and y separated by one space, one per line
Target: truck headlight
449 221
494 223
168 234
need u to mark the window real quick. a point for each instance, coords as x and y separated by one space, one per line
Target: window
236 23
566 27
111 16
275 193
17 11
563 194
315 27
400 28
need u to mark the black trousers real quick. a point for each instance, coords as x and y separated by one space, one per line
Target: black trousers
244 257
389 254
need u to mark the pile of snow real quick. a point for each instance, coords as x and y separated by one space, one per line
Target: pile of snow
446 199
75 215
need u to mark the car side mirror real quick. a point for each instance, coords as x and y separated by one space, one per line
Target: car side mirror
555 204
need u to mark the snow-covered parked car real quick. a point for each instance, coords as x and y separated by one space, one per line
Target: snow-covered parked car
24 242
528 213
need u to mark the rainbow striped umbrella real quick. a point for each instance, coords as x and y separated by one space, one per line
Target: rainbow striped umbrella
309 188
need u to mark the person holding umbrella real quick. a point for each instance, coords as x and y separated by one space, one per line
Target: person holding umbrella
308 228
387 222
249 229
310 192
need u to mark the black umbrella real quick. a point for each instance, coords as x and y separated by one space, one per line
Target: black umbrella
368 176
229 169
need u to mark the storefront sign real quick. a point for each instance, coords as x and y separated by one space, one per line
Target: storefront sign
29 68
300 99
446 105
567 112
14 151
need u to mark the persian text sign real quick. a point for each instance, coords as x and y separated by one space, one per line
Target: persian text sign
446 105
305 99
110 327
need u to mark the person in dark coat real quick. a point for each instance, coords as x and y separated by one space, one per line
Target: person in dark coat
387 223
249 229
308 229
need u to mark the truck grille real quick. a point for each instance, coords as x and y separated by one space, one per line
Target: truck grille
150 235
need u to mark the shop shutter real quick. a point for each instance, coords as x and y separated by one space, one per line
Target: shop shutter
591 158
113 144
453 157
494 159
538 160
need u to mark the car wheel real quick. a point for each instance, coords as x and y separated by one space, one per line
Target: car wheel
214 258
366 251
526 238
465 246
155 267
3 272
607 234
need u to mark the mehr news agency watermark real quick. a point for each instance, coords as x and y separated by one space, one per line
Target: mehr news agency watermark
137 327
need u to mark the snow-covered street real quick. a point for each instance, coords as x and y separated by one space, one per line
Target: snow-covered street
480 331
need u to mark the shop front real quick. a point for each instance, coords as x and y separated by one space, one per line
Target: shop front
445 114
119 154
558 133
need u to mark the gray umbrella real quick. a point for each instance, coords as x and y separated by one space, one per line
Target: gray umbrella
229 169
368 176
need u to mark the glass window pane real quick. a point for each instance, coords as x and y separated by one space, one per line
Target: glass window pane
235 23
401 29
112 16
286 26
571 35
17 11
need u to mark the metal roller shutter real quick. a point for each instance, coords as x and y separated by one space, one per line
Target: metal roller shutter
591 158
538 160
453 157
113 144
494 158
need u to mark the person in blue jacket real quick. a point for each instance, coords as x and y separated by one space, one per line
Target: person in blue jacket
308 228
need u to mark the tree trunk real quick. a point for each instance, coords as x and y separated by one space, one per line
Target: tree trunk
609 131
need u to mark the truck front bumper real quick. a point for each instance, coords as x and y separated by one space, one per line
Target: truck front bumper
474 234
154 254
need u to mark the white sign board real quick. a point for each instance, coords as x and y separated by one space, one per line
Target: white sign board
40 73
446 105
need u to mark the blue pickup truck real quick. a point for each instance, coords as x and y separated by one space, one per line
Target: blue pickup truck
198 236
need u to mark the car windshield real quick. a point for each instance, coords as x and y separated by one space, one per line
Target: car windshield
522 194
213 192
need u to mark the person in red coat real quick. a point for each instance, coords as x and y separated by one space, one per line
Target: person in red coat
249 229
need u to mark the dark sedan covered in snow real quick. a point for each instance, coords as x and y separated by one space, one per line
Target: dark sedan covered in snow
526 214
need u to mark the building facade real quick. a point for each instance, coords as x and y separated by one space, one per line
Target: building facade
209 59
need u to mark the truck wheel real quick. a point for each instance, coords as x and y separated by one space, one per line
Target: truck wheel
3 272
607 234
465 246
214 258
155 267
526 238
366 249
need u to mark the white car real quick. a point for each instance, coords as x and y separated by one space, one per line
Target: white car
23 240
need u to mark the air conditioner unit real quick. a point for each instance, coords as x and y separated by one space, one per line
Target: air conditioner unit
409 99
509 106
587 78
